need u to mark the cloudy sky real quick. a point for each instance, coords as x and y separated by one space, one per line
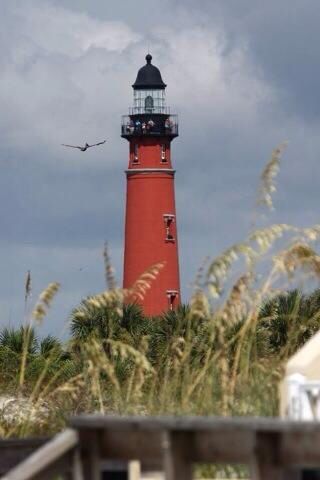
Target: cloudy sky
243 76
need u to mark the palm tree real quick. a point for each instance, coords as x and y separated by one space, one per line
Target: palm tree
54 358
13 344
179 325
105 322
50 344
47 353
289 320
14 339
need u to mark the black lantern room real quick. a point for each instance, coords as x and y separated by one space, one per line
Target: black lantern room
149 114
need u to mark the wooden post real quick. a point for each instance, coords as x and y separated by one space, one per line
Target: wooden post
77 470
177 465
90 452
134 470
265 464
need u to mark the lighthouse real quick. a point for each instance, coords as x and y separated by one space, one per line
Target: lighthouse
150 217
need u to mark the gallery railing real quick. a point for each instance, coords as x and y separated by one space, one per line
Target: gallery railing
152 125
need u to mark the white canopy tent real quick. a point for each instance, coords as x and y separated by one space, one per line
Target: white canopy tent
300 389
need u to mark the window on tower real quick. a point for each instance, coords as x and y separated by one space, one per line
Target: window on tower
163 154
172 296
148 104
169 219
136 153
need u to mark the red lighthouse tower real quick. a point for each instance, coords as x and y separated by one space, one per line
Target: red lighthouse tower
150 224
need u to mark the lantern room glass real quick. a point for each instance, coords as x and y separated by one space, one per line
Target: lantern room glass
149 101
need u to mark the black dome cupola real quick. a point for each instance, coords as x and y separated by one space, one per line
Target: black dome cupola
149 77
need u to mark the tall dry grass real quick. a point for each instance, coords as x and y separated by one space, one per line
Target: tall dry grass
219 355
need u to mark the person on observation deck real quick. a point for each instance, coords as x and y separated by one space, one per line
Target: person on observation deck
138 126
168 125
150 125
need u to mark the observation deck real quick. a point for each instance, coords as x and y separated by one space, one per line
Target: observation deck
154 122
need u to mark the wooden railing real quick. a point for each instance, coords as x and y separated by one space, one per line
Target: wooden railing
273 449
58 456
15 450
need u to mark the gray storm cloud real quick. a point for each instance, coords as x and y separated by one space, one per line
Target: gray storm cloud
241 79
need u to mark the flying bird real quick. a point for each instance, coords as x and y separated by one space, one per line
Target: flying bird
86 146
